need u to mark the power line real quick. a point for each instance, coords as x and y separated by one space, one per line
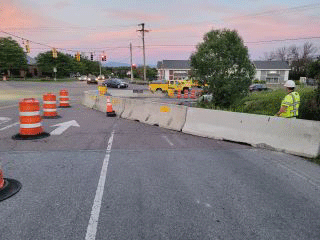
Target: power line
283 40
284 10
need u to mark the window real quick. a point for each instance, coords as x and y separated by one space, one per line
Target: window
272 80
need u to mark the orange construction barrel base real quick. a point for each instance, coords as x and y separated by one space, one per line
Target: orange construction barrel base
30 137
51 117
10 188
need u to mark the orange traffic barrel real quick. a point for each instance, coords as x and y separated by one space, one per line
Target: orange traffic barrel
110 112
179 94
8 187
30 120
49 106
193 94
186 93
64 99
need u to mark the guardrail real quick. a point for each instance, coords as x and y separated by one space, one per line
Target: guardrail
295 136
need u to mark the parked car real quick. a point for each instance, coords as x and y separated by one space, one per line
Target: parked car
83 78
258 87
92 79
115 83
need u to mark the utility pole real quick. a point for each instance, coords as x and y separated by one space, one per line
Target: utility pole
144 51
131 62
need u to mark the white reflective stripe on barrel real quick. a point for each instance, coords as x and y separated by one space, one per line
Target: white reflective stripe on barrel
49 110
49 102
28 114
64 97
34 125
64 101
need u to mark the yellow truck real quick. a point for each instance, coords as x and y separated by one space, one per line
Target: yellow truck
164 86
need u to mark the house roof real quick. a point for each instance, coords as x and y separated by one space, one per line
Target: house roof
271 65
174 64
31 61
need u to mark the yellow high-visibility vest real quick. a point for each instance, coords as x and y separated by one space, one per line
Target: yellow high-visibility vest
292 102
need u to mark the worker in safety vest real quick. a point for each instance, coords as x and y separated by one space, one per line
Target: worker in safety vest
290 104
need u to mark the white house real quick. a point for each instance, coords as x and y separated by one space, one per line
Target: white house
273 72
173 69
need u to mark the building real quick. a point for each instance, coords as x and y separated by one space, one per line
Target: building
173 69
273 72
32 71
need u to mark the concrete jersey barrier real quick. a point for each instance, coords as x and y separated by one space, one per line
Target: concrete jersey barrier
168 116
295 136
89 99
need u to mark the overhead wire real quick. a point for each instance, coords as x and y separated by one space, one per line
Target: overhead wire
89 50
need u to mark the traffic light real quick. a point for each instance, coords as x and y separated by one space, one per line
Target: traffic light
104 57
78 56
27 47
54 53
91 57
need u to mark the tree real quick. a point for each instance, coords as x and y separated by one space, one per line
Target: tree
65 64
12 56
314 69
298 57
222 62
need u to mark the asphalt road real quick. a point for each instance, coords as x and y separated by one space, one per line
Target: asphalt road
136 181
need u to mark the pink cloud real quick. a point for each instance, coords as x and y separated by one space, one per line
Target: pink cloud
13 17
135 15
61 5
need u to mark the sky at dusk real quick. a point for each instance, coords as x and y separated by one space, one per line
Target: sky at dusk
176 27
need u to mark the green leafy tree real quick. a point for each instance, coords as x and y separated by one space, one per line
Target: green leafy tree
314 69
152 73
222 62
12 56
65 64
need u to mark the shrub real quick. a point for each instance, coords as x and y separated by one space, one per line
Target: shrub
268 103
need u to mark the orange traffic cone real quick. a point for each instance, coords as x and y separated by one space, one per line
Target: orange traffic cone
110 112
8 187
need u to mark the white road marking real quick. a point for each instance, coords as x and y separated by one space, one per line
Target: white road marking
4 119
95 212
9 126
63 126
303 176
168 140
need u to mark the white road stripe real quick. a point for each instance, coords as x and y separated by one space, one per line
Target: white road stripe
95 212
301 175
168 140
9 126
